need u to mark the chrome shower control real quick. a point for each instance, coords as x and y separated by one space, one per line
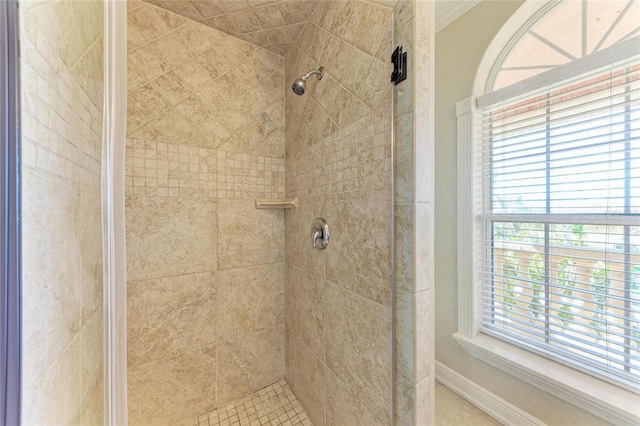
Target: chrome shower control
319 232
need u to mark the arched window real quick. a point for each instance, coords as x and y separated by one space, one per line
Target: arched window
549 200
562 32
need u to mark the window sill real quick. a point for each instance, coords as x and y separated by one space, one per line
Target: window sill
600 398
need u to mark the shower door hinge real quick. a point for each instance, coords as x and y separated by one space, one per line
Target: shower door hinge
399 61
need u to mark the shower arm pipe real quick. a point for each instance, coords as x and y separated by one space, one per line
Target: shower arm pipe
319 72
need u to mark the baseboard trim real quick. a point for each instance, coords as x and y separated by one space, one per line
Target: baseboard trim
496 407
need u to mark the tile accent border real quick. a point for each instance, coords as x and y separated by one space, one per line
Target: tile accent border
175 170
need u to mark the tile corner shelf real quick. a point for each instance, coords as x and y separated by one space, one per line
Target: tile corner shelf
276 203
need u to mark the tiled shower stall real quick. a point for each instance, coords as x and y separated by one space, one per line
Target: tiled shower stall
229 308
212 125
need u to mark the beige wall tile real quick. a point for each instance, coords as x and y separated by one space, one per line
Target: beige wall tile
172 87
424 247
257 37
59 391
247 236
52 310
307 379
404 243
375 38
404 163
169 236
224 24
413 191
404 402
278 36
338 150
159 56
143 26
307 309
341 118
249 362
173 20
167 391
300 253
88 71
359 348
178 170
423 336
94 413
198 38
425 393
61 70
220 138
183 8
269 16
250 299
360 256
245 20
207 8
170 315
344 406
293 12
80 25
199 78
147 102
194 75
134 79
405 326
92 341
233 5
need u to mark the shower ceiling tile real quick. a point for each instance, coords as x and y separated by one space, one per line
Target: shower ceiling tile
173 20
279 36
258 3
295 29
293 12
233 5
223 23
245 20
198 38
269 16
208 8
145 25
183 8
258 38
248 19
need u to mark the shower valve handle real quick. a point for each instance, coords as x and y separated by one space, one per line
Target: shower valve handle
319 232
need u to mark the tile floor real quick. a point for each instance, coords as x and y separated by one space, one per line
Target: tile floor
452 410
274 405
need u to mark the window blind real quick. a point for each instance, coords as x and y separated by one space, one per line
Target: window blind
560 213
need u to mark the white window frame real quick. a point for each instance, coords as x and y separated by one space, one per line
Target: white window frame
595 396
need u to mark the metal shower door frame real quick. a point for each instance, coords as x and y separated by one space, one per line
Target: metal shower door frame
10 303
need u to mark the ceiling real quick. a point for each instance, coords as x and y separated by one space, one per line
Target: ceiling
275 24
272 24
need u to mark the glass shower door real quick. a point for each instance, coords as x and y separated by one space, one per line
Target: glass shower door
62 261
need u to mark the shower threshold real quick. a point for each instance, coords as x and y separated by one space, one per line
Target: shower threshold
274 405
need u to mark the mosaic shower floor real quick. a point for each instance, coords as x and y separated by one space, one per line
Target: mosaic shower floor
274 405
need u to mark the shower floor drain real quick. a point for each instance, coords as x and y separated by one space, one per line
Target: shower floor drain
274 405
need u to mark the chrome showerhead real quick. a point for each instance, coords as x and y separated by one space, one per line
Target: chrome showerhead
300 85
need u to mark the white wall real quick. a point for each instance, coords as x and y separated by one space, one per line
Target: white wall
459 50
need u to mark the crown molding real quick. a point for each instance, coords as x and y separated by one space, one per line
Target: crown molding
448 11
